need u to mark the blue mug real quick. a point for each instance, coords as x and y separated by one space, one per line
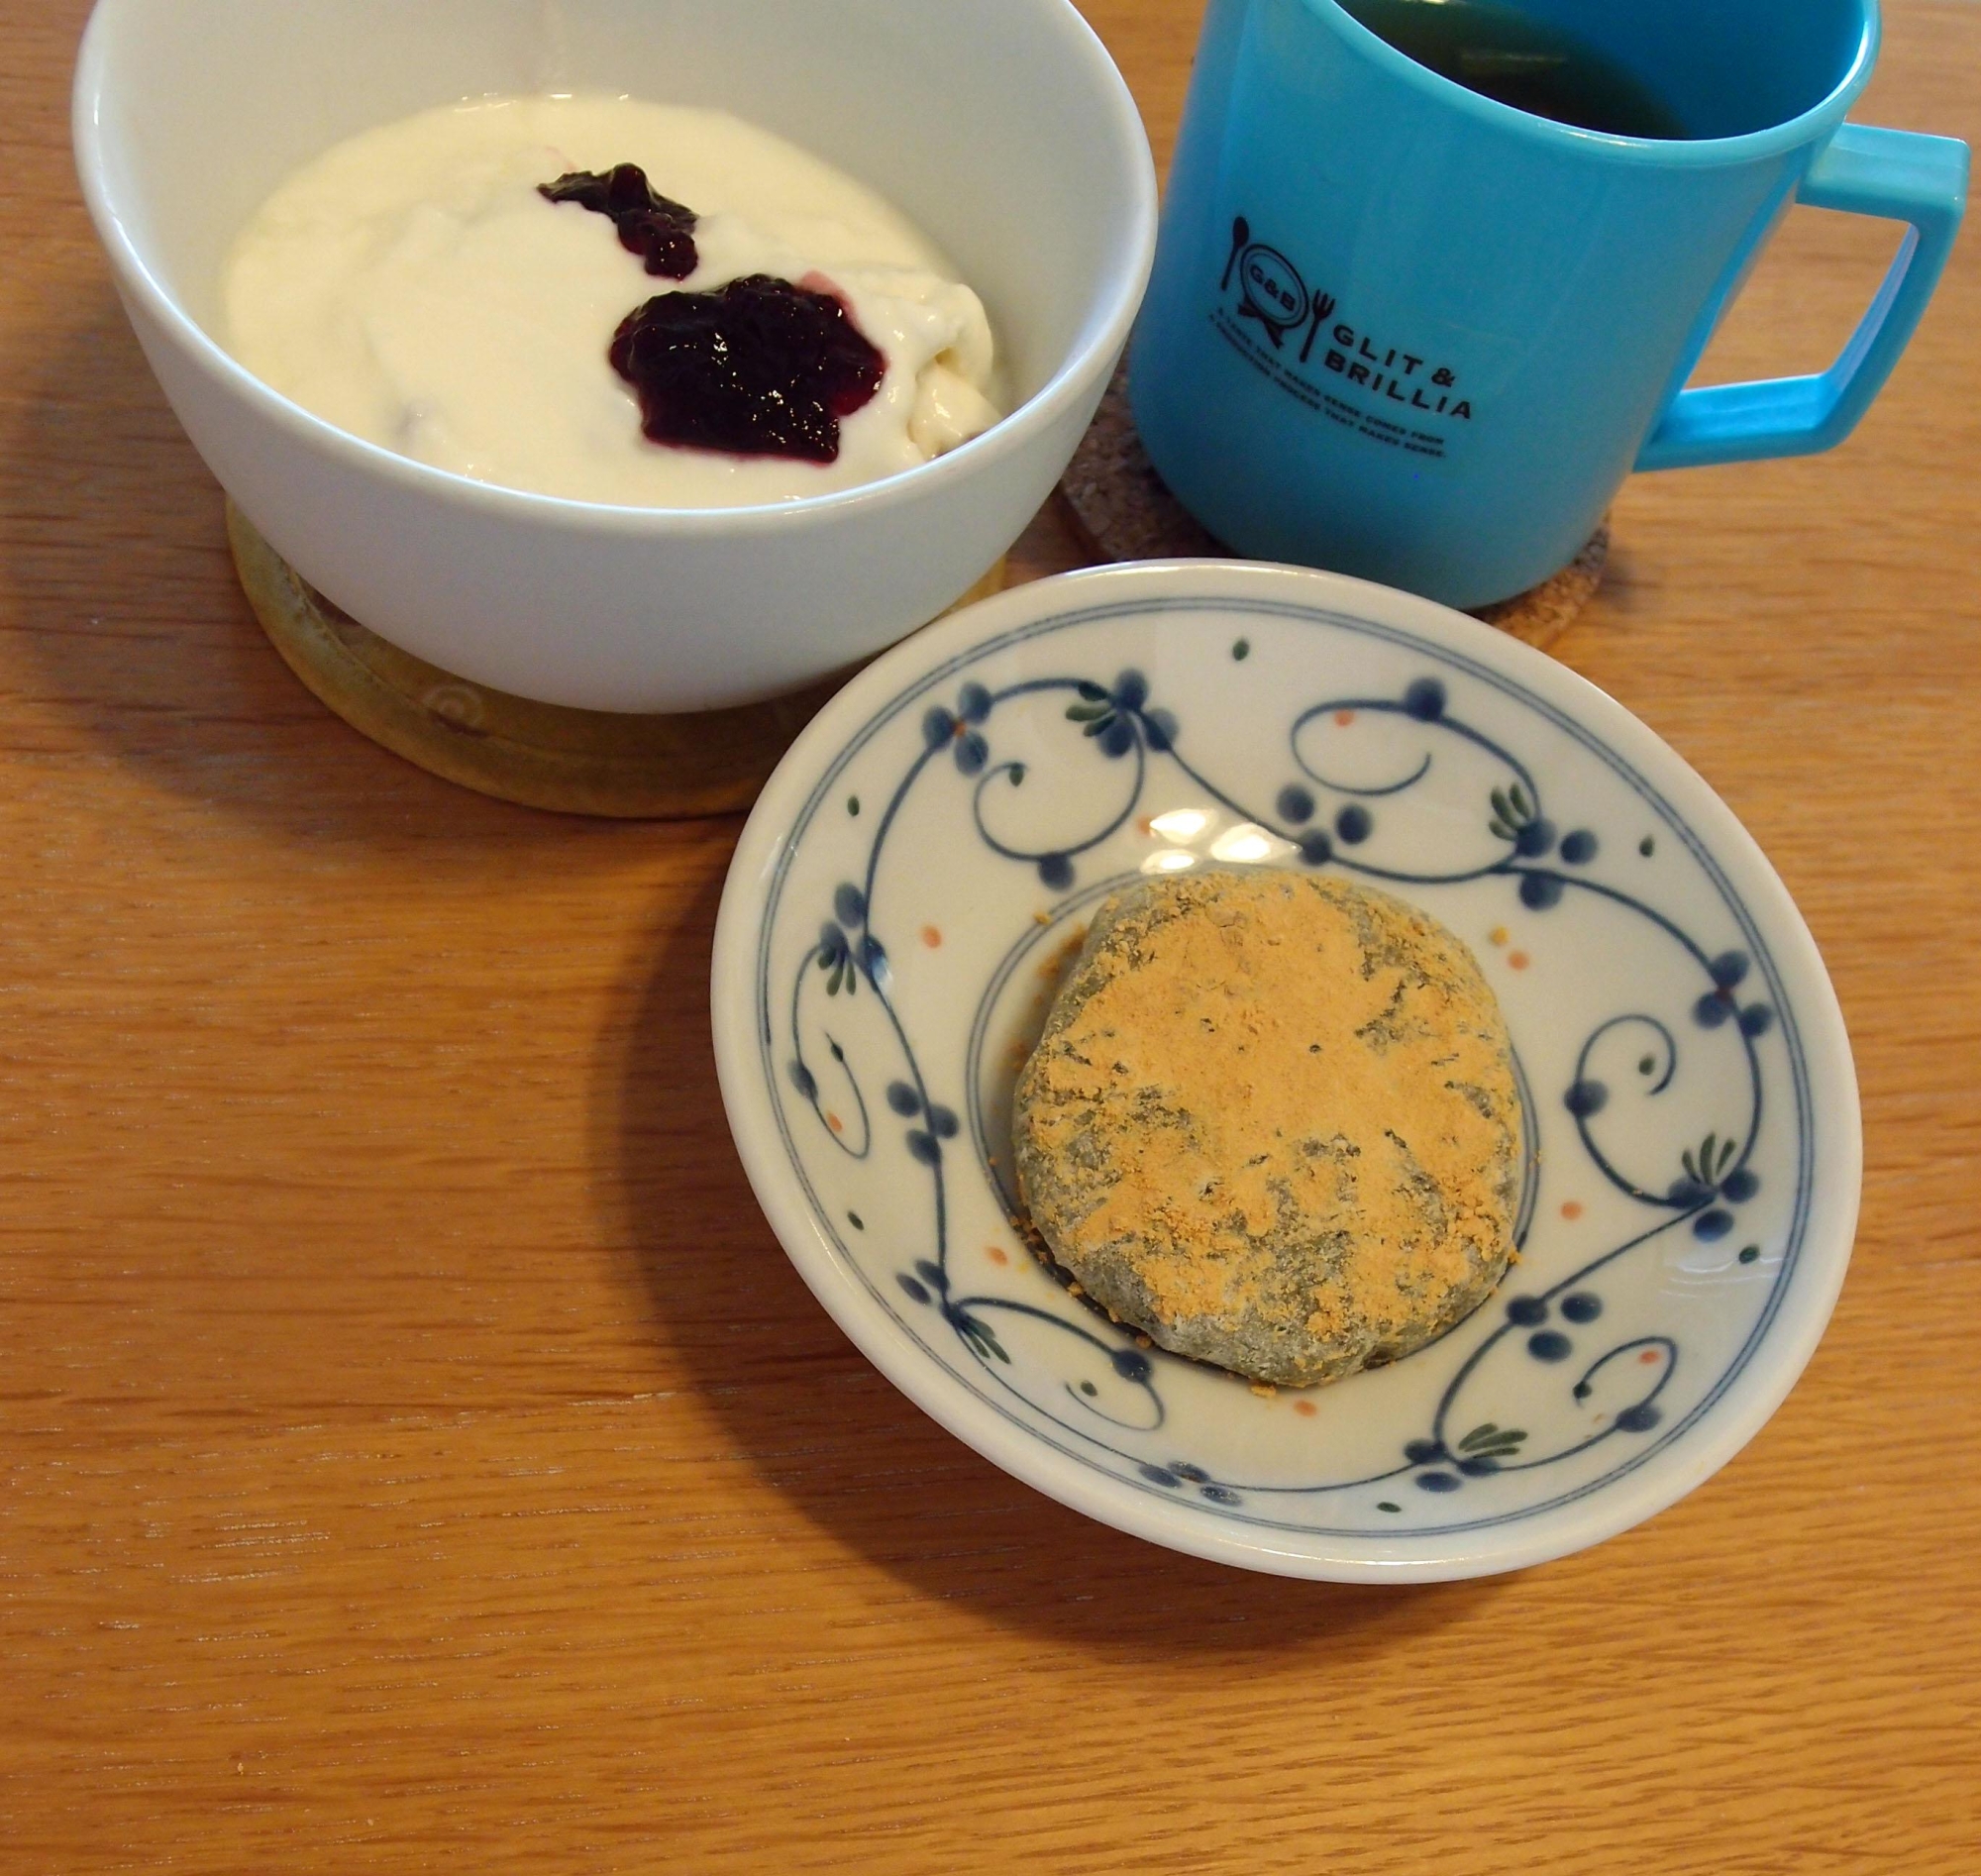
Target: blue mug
1404 331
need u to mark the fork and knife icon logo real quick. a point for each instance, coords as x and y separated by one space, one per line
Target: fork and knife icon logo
1271 290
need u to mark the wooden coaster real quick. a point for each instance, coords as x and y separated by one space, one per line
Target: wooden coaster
1126 512
538 755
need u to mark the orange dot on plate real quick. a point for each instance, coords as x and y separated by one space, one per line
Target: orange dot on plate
835 1124
1518 960
1572 1209
1146 827
1650 1357
995 1252
1344 717
1305 1409
931 937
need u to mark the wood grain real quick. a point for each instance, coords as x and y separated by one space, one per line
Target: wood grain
415 1451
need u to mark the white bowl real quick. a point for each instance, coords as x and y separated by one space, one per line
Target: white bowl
1000 126
945 826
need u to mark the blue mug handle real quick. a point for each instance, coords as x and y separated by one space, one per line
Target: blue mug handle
1901 175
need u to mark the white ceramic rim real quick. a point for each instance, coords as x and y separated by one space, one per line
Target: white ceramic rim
1618 1505
1075 377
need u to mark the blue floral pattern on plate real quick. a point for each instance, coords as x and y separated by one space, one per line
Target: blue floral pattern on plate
937 853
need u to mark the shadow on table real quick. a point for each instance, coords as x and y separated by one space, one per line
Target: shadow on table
129 634
802 1406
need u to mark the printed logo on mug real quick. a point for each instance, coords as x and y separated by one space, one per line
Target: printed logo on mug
1264 274
1433 273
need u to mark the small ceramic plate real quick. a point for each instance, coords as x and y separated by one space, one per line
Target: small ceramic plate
919 868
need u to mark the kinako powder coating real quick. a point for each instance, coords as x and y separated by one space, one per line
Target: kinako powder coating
1273 1123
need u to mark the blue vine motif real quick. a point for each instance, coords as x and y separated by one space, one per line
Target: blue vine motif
1116 1387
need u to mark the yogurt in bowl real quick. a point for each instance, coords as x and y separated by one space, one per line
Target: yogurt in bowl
433 287
998 129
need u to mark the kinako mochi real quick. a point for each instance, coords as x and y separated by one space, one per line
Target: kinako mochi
1273 1123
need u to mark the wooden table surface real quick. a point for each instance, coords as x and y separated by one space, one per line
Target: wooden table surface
416 1453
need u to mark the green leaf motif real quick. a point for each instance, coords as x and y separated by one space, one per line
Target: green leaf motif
1511 811
1715 1155
982 1339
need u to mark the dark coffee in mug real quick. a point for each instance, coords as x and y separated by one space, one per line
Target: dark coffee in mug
1532 65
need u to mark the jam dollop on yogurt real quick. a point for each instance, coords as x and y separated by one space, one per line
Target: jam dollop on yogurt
660 232
761 367
472 288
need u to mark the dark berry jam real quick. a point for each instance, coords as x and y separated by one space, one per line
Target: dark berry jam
660 231
762 367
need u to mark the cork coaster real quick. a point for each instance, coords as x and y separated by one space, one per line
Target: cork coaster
538 755
1125 512
1542 613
